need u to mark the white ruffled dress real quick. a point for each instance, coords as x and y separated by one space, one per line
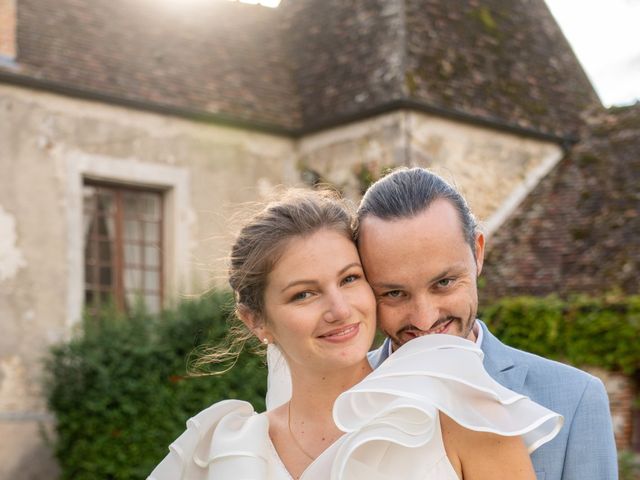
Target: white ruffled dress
390 419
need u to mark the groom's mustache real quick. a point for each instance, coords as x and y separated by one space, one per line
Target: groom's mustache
441 322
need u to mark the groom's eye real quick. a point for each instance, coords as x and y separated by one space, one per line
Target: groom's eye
392 294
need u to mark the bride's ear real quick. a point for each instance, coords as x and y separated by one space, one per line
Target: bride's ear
254 322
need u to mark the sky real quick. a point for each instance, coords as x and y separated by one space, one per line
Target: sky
605 35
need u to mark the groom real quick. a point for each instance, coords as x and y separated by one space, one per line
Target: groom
422 253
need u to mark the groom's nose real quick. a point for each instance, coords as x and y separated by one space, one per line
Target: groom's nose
424 312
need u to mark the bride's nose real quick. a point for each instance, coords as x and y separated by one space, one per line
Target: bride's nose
338 308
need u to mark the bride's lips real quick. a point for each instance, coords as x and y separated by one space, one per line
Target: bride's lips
341 334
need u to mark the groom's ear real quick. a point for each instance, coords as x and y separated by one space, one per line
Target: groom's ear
479 252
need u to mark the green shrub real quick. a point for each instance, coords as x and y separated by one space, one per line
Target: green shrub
600 332
120 393
119 390
629 465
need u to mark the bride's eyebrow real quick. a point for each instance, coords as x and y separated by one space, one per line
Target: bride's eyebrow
297 283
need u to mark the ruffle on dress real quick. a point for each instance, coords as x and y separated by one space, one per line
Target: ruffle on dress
390 419
395 409
224 441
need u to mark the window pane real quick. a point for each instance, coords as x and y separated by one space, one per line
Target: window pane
151 256
132 230
105 276
105 254
152 232
132 254
89 274
105 202
131 205
91 257
98 223
152 302
151 280
88 297
89 198
132 279
150 205
102 226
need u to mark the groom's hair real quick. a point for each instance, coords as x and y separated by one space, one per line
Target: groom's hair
406 192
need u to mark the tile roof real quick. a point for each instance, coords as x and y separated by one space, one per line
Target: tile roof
579 230
500 59
220 58
309 63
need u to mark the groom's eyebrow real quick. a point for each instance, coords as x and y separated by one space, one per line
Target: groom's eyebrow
397 286
387 286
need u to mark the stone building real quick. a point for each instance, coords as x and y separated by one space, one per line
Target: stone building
130 130
578 231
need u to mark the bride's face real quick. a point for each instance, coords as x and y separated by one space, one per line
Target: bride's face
319 307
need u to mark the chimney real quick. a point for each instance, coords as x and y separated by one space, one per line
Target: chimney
8 47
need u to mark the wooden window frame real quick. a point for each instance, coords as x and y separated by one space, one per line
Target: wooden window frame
94 287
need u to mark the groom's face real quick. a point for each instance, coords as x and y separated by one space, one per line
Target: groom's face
423 273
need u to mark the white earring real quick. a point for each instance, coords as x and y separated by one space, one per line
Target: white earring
265 341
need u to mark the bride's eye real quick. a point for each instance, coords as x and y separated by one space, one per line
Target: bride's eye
350 278
301 296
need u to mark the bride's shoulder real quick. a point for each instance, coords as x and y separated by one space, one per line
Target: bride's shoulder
225 409
224 431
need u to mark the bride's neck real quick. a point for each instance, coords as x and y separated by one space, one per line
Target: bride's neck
314 393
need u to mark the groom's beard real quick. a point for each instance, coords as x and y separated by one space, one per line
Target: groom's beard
450 325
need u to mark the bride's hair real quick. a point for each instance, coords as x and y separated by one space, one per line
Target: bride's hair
258 247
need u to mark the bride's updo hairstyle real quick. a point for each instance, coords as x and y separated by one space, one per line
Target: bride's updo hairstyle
261 242
259 245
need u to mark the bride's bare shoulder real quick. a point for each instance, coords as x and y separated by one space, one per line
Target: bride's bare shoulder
277 421
474 454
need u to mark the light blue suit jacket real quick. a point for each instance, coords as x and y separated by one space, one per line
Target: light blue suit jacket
585 447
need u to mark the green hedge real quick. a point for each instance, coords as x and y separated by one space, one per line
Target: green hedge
120 394
602 332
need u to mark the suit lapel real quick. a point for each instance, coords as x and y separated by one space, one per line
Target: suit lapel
499 363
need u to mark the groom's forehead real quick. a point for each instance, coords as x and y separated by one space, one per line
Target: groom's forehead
438 219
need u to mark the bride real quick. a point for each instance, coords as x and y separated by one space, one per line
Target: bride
429 412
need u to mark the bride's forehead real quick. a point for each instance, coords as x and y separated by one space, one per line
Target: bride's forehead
314 256
319 246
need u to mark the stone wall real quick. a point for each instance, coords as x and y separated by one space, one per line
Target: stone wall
494 170
48 143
